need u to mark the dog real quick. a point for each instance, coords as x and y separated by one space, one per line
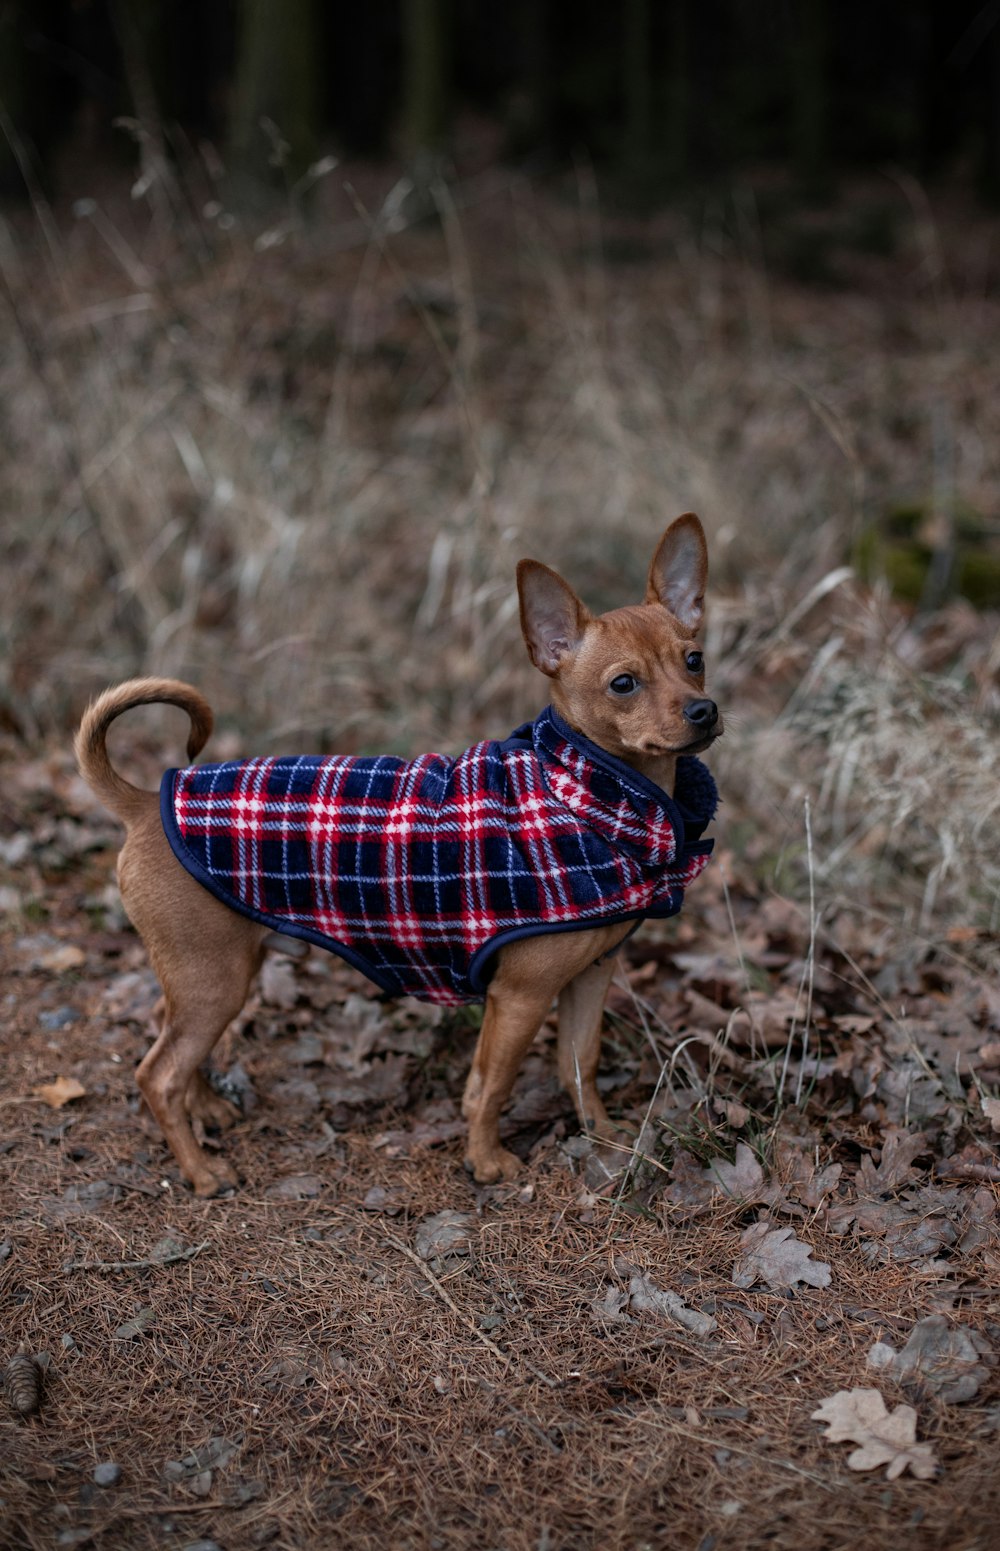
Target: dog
512 873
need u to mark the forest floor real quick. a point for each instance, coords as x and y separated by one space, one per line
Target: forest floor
296 468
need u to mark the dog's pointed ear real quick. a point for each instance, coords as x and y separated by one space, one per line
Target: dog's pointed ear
552 617
679 572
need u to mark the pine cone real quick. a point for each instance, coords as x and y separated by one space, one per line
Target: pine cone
24 1382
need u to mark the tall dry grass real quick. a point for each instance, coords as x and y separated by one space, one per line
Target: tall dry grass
296 463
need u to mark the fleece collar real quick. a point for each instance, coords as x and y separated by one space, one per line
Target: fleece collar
620 804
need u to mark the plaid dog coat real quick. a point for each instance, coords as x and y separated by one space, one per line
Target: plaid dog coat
418 871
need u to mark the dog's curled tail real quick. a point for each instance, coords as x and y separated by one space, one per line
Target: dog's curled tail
90 744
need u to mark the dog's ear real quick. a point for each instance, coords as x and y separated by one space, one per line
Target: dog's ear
679 572
552 617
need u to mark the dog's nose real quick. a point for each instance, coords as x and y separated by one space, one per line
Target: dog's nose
701 713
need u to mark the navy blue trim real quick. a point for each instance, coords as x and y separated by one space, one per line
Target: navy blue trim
192 865
520 738
490 949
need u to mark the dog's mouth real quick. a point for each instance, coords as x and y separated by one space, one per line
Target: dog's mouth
699 744
696 746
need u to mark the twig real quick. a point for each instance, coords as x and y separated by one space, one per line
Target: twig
136 1265
467 1319
762 1459
988 1171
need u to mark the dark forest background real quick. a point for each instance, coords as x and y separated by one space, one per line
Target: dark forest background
657 93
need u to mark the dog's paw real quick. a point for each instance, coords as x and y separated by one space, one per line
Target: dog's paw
217 1178
488 1168
214 1110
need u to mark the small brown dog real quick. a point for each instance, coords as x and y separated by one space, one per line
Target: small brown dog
511 873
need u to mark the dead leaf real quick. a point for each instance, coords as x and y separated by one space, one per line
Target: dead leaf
288 1372
646 1297
447 1233
895 1166
947 1360
378 1199
886 1438
295 1187
612 1307
991 1109
777 1258
743 1180
688 1185
59 960
736 1114
169 1248
278 986
213 1455
130 997
62 1091
135 1326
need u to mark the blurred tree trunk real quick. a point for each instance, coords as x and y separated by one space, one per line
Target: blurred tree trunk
529 117
990 164
637 89
276 98
15 98
810 119
676 148
426 94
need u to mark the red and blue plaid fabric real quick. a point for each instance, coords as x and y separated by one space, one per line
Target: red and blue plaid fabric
418 871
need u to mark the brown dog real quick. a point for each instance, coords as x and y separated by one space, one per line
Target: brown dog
630 682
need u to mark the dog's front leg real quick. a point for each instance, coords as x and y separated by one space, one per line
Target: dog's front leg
529 975
581 1010
514 1013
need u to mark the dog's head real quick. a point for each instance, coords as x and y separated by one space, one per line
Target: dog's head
631 680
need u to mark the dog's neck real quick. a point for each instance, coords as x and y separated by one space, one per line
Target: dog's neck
661 769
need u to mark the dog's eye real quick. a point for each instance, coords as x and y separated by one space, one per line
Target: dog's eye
694 662
624 684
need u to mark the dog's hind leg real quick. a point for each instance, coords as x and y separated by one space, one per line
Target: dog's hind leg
202 1102
198 1008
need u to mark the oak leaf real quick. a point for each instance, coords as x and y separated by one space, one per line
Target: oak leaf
777 1258
743 1180
884 1438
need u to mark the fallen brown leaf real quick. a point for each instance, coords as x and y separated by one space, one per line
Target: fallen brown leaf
886 1438
777 1258
62 1091
948 1360
991 1109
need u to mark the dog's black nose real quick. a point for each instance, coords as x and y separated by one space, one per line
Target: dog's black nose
701 713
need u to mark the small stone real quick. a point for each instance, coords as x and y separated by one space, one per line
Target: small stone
202 1545
59 1018
67 1342
108 1474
